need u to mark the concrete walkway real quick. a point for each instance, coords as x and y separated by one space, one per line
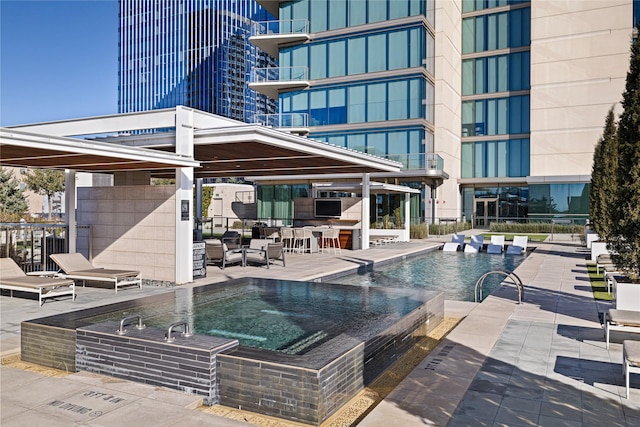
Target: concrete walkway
540 363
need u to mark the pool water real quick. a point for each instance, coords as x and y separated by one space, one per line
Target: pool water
284 316
453 273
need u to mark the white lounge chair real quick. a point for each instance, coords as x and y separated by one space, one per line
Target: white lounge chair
451 247
630 360
477 241
621 320
519 245
14 279
469 248
76 266
496 246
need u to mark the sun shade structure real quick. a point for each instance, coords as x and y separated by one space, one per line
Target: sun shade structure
25 149
180 143
181 137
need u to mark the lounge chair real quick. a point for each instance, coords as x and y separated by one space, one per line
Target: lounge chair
519 245
458 238
471 249
266 255
218 252
621 320
496 246
477 241
451 247
14 279
76 266
630 360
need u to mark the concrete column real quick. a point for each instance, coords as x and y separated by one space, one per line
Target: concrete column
407 215
364 219
184 198
70 209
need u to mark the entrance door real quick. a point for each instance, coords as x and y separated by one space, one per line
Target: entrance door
486 211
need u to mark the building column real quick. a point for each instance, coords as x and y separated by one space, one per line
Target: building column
71 220
365 214
407 215
184 198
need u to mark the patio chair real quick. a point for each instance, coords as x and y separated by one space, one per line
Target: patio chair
232 239
496 246
451 247
76 266
471 249
621 320
630 360
218 252
519 245
477 241
13 278
269 253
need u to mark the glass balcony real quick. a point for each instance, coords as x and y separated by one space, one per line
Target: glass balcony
292 122
271 81
269 35
427 161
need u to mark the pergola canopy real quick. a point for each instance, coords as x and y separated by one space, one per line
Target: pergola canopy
220 147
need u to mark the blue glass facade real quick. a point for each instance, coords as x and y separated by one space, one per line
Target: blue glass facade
371 64
193 53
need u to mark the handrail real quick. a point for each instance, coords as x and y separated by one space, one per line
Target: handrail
125 321
187 330
513 276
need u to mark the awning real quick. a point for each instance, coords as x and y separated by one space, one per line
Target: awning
25 149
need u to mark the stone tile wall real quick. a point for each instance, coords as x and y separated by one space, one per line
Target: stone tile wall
48 346
132 227
188 364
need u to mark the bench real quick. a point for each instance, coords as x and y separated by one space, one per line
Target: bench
630 360
621 320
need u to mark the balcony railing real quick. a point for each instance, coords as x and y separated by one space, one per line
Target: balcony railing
280 74
427 161
289 26
283 121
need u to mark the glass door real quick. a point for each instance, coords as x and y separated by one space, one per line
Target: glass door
485 212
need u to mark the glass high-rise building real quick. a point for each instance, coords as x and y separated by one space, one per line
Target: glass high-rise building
356 74
509 97
193 53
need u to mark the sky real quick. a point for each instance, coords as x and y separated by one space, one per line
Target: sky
58 59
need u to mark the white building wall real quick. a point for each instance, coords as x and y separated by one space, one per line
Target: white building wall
448 118
579 60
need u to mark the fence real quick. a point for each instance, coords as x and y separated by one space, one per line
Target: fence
31 244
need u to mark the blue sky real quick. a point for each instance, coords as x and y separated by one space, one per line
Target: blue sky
58 59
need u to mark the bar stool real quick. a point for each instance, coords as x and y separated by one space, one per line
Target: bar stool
286 235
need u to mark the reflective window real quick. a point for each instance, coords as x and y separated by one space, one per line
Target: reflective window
402 145
370 102
498 116
404 49
483 159
496 31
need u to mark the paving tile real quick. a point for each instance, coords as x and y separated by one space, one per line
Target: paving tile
512 417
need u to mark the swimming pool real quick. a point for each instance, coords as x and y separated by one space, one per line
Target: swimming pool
453 273
295 350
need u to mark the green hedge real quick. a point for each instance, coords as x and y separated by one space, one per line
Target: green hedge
535 227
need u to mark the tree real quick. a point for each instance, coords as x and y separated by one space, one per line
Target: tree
45 181
626 215
13 203
602 196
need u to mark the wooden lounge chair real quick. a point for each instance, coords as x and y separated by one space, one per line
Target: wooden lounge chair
76 266
14 279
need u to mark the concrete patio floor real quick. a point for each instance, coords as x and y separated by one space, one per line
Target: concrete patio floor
543 362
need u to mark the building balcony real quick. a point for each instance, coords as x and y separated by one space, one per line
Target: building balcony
290 122
271 81
432 163
270 35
